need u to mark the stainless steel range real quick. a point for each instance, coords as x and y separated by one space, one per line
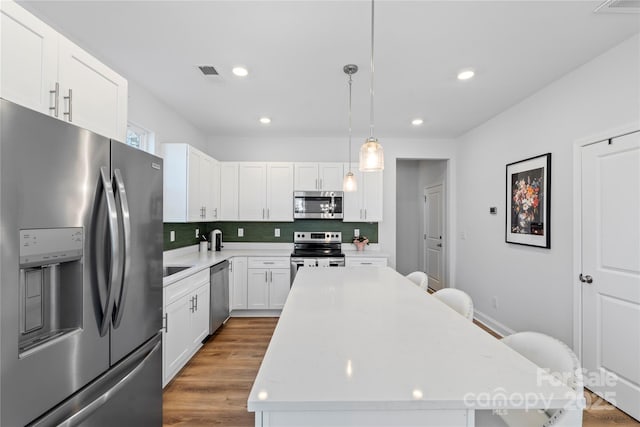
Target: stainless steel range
316 249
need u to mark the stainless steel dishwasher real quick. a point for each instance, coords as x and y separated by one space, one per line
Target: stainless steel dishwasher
219 311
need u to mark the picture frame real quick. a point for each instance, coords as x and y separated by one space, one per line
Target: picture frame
528 202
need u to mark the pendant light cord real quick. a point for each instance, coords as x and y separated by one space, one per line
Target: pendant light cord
371 89
350 80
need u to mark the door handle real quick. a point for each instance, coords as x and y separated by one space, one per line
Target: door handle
192 307
196 302
585 279
69 113
115 270
439 245
265 277
126 258
56 99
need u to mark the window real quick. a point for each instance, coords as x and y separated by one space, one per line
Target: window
140 138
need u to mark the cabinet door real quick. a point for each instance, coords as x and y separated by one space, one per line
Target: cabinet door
98 100
238 277
176 340
200 314
29 61
215 190
207 165
194 200
257 288
279 285
331 176
352 202
372 196
306 177
280 192
252 178
228 191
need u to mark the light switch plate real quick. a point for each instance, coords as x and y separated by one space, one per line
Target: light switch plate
172 236
276 232
240 232
356 232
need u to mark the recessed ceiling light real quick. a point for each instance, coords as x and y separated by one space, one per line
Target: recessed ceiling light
265 120
240 71
417 122
465 74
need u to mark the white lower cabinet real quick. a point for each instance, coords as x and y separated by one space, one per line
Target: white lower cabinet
268 282
365 261
186 311
238 283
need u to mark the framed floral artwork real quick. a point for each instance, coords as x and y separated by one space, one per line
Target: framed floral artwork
528 213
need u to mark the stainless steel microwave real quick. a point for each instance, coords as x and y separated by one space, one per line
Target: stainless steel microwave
318 204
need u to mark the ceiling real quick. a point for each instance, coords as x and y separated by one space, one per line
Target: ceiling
295 51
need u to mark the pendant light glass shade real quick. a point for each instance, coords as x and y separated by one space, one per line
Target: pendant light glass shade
371 156
349 184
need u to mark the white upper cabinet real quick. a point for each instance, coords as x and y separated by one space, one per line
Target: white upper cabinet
189 183
318 176
252 178
228 191
265 191
365 204
44 71
280 191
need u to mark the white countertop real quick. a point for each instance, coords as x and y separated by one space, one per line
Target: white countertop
366 338
201 260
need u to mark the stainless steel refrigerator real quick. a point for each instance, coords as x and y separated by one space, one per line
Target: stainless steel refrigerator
80 276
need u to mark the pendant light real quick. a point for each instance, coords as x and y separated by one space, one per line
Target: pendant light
349 183
371 154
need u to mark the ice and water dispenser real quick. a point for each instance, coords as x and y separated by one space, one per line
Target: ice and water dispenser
50 284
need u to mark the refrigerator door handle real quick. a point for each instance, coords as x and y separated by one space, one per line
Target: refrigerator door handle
84 413
126 225
115 270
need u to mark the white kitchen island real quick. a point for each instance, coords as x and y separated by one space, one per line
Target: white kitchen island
363 346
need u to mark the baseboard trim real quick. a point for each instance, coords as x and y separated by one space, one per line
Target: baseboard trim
492 324
255 313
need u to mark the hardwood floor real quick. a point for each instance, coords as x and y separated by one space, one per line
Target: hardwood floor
214 386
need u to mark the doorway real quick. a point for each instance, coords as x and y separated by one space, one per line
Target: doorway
609 269
412 177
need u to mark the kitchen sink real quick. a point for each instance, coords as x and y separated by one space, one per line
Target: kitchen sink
168 271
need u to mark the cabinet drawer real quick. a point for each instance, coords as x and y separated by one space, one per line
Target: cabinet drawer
274 262
365 262
182 287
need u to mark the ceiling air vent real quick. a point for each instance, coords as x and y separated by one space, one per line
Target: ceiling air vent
619 6
208 70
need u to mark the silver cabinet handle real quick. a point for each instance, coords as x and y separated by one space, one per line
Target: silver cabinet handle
126 261
268 262
166 323
262 213
204 209
439 245
115 270
268 214
56 99
69 114
366 263
215 213
196 303
365 214
270 276
360 213
265 276
585 279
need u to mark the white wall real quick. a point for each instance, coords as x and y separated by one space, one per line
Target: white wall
149 112
305 149
534 286
409 216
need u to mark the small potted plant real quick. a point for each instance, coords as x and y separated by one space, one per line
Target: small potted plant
360 242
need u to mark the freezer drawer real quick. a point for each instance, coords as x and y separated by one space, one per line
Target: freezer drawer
129 394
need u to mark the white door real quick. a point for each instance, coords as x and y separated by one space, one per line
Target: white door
252 194
228 191
433 254
207 192
200 314
98 100
238 282
176 341
279 286
330 176
29 60
611 270
280 192
306 177
372 196
194 200
257 288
